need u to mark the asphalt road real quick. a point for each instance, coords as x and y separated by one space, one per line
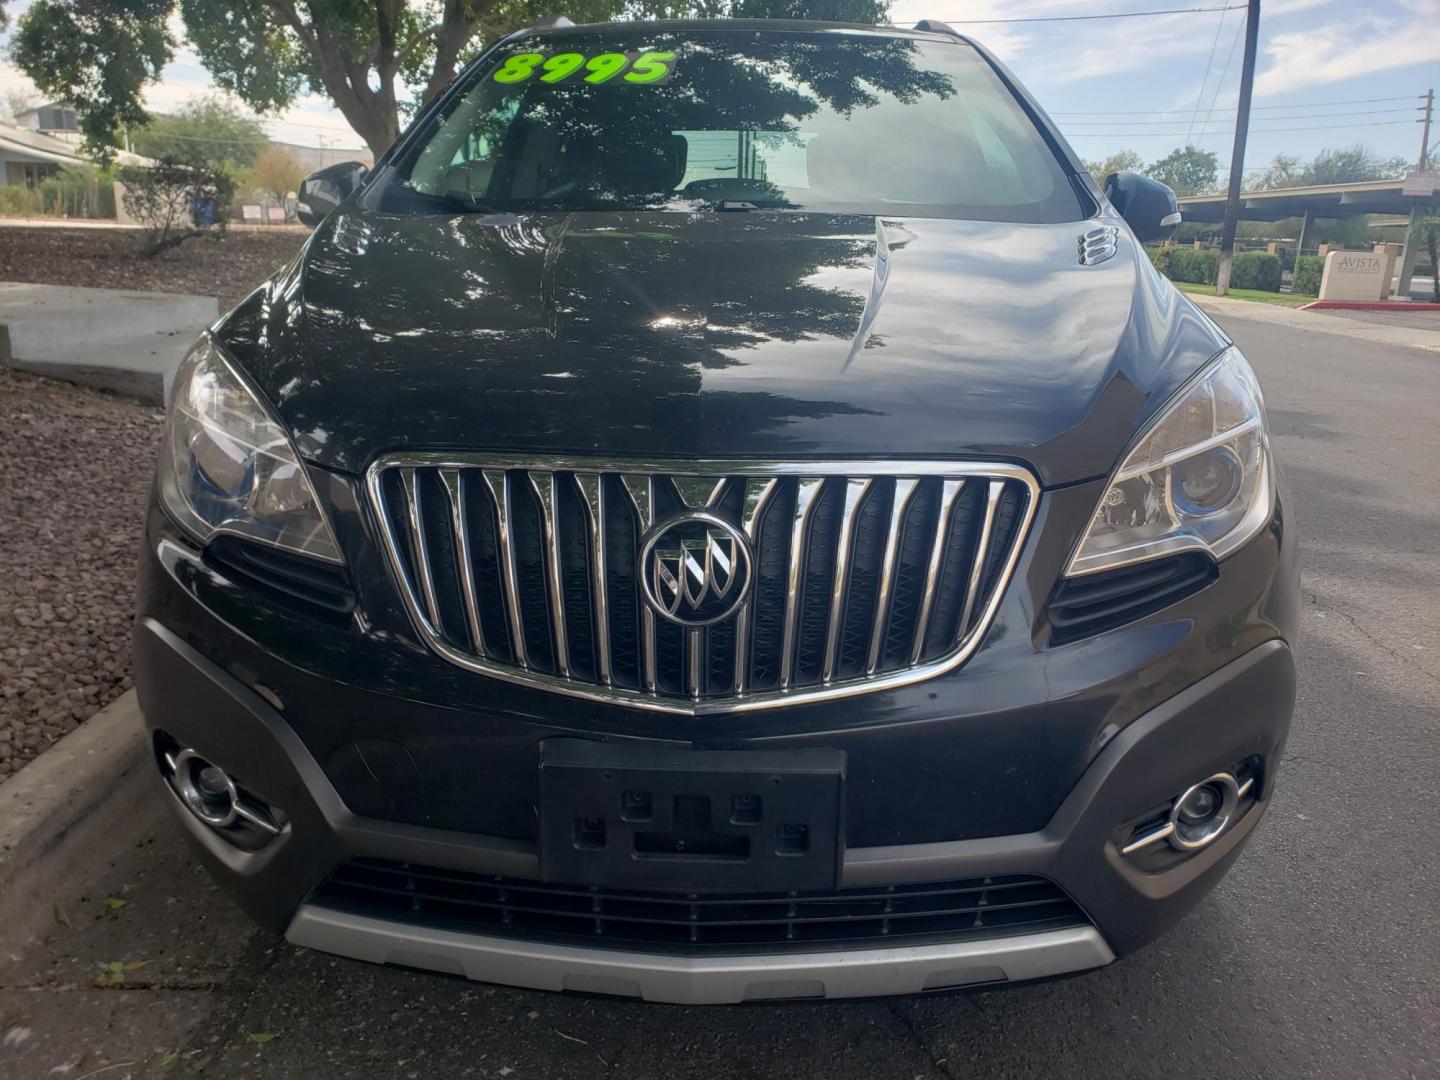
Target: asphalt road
1319 956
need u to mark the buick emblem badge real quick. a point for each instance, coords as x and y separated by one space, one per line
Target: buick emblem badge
694 568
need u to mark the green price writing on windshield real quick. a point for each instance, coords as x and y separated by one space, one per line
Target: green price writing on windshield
645 67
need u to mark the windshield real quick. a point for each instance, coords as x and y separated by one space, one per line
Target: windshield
629 118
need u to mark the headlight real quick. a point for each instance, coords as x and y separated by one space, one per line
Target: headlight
1198 479
227 466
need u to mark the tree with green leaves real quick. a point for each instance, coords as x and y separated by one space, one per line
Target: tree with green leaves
1351 165
1283 171
98 55
208 130
276 172
1187 170
1120 161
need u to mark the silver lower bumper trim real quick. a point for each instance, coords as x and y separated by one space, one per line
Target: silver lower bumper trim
703 980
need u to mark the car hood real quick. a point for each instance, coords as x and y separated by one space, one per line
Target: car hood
717 335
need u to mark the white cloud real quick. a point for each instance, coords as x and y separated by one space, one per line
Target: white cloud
1276 8
1330 54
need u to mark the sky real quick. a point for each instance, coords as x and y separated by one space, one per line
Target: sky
1329 73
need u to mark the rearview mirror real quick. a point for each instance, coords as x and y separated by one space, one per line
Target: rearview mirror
1148 206
323 191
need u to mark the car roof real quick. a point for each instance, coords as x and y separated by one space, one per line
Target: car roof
931 33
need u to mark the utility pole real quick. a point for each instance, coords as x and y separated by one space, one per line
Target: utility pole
1412 234
1237 155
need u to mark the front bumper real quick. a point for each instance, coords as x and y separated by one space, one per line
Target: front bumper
1240 711
708 980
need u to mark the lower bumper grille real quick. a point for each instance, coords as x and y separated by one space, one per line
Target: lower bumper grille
502 907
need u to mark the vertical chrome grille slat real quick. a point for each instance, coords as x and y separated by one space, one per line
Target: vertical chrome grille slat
498 483
993 494
806 495
454 482
844 594
694 673
544 486
641 490
592 490
409 479
905 488
855 491
756 498
949 490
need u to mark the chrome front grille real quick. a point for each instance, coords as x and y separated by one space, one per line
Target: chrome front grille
822 579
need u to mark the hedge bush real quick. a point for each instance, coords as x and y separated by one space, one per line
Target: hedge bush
17 200
1188 264
1249 270
1255 270
1306 279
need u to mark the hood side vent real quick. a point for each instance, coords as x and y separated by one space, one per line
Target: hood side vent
1098 244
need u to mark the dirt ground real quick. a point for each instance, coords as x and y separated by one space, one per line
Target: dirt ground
75 467
226 268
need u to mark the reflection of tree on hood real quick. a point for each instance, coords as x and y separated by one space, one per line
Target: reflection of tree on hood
588 323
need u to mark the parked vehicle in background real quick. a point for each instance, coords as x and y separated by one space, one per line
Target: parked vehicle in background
723 511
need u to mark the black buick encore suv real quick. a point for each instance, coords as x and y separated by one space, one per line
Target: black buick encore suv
721 511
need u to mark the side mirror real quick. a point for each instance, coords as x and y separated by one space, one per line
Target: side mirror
323 191
1148 206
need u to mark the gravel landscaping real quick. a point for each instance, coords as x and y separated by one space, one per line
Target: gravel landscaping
75 468
226 268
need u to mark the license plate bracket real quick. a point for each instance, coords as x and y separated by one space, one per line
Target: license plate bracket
649 817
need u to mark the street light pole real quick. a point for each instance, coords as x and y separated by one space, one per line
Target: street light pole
1412 234
1237 154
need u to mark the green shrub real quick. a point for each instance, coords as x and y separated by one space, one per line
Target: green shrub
17 200
1255 270
1306 279
1188 264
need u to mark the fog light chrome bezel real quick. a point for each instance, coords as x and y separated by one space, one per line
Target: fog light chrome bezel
1171 829
244 811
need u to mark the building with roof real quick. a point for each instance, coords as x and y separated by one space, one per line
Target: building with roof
42 141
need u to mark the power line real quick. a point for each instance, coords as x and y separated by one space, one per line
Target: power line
1223 72
1351 101
1297 105
1209 62
1226 130
1283 119
1087 18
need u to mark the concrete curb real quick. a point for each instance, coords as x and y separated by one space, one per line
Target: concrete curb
1222 308
146 387
1369 305
64 808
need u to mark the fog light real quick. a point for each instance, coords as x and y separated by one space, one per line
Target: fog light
1200 806
206 789
1202 812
